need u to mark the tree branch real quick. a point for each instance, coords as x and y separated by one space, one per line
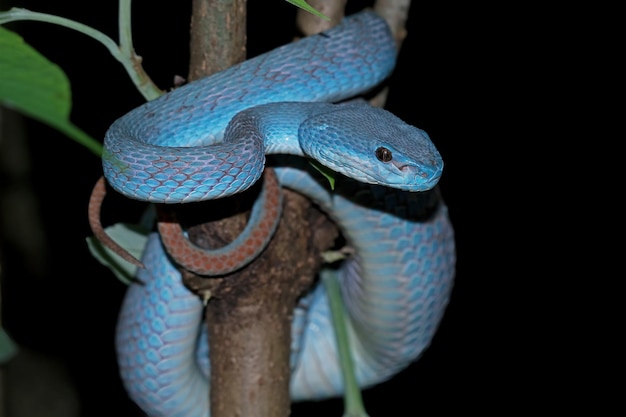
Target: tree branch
250 312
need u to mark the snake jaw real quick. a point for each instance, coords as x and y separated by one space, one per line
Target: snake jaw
409 176
429 176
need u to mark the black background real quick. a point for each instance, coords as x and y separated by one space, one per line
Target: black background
531 325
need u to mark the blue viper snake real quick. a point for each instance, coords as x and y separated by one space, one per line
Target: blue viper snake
209 139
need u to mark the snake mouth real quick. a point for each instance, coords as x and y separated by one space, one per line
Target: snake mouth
416 177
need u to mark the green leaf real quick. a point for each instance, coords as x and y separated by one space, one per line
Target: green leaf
305 6
36 87
325 171
8 348
133 238
353 400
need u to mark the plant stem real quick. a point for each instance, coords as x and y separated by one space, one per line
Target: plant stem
130 61
81 137
353 401
15 14
124 28
128 58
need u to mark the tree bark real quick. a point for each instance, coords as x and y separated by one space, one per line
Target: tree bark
217 37
250 311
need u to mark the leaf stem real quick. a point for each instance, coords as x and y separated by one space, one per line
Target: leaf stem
81 137
127 57
130 60
15 14
124 28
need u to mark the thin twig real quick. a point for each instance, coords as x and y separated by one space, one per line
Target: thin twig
130 61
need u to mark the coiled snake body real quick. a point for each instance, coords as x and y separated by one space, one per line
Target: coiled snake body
174 149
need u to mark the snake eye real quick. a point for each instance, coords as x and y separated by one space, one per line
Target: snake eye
383 154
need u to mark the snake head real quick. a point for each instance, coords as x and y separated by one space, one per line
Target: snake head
372 145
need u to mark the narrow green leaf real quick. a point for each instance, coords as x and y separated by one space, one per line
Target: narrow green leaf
353 400
305 6
36 87
328 173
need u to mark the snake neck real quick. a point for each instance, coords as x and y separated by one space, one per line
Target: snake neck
277 124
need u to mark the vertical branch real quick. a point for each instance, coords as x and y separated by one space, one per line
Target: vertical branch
395 12
218 36
250 311
217 41
310 24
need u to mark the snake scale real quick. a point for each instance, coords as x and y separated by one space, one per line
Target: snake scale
184 147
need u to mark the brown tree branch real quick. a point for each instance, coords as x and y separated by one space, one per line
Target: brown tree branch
250 312
395 12
217 36
310 24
